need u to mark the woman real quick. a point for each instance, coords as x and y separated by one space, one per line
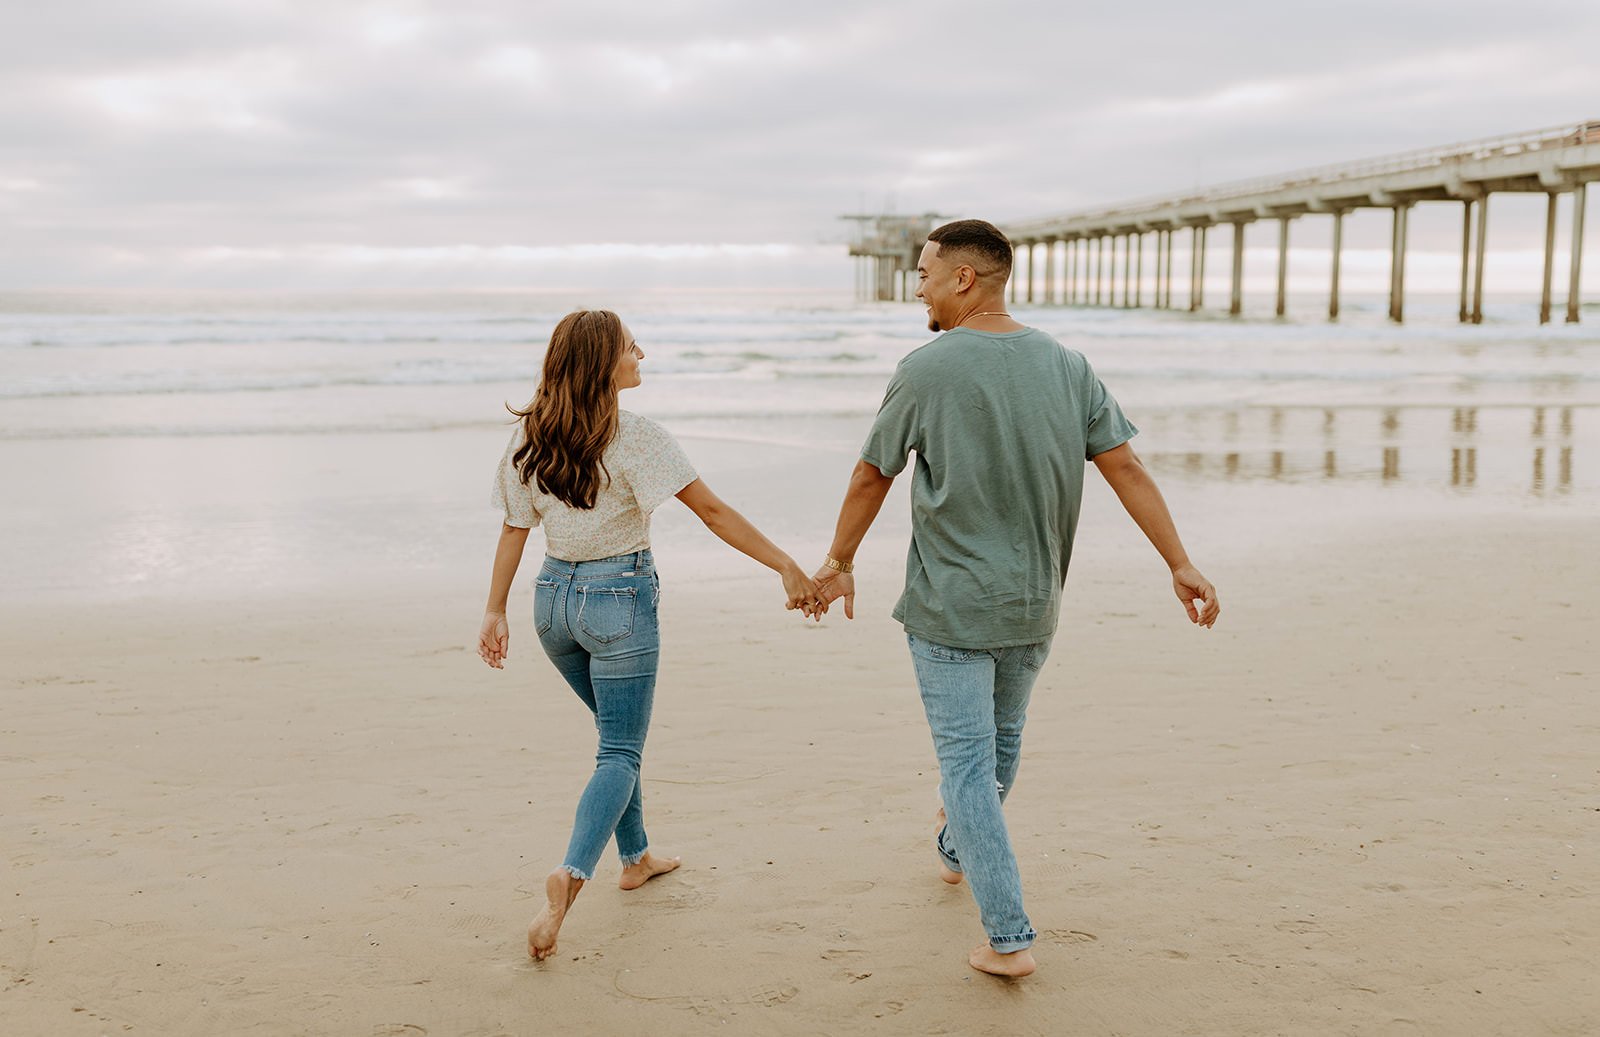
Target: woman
592 474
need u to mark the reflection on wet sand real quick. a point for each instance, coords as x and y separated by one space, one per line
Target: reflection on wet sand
1501 449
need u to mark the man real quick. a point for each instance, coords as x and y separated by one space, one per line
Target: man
1001 418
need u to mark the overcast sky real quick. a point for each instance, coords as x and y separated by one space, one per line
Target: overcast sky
480 143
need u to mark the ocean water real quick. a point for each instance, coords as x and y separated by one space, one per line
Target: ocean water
1508 407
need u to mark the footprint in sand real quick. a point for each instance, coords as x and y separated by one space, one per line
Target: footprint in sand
687 898
1048 869
704 1003
474 924
768 997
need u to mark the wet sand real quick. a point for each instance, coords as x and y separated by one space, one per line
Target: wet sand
266 787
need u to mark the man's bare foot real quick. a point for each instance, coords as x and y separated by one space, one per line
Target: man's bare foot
945 871
636 875
985 958
560 890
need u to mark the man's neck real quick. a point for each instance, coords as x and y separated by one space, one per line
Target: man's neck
988 315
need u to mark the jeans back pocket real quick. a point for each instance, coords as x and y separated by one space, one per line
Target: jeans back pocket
606 613
544 605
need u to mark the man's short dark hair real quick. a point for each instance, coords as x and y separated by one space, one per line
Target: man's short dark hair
987 248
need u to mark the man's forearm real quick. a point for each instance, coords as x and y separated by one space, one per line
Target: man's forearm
1141 498
862 501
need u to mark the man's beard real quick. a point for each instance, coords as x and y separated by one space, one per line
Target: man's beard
933 324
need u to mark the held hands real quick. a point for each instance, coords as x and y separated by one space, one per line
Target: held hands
813 594
803 592
1193 589
494 640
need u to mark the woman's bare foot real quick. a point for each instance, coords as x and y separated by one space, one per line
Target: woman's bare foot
560 890
985 958
945 871
636 875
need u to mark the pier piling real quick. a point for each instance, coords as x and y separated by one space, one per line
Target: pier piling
1549 257
1127 270
1397 264
1138 276
1338 247
1167 296
1283 264
1573 291
1477 259
1236 299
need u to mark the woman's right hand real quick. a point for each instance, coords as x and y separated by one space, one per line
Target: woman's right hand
494 639
803 592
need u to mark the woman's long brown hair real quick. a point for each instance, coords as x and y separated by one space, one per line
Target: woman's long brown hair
573 416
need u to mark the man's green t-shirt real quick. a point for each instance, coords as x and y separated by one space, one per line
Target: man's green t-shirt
1001 425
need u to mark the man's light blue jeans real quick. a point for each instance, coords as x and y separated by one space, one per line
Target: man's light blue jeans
597 623
976 700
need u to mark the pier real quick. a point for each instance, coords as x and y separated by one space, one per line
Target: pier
886 248
1553 162
1073 258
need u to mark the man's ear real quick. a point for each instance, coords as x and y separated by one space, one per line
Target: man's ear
966 277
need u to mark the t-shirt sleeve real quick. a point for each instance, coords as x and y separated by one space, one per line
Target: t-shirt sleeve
1108 427
510 494
657 467
895 431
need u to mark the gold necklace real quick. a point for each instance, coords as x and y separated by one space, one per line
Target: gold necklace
985 313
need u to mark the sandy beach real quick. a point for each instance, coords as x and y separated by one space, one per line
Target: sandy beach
279 279
271 790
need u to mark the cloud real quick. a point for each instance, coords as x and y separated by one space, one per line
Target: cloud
278 126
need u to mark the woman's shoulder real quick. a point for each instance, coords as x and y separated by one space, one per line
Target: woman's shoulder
642 440
639 427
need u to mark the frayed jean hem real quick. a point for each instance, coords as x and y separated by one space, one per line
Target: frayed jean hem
630 859
576 873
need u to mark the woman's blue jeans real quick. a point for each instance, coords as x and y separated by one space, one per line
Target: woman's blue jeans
597 622
976 700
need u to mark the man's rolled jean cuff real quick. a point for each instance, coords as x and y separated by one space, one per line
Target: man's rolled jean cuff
1013 944
945 855
630 859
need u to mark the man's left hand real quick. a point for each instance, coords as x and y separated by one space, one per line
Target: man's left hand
1192 588
835 585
